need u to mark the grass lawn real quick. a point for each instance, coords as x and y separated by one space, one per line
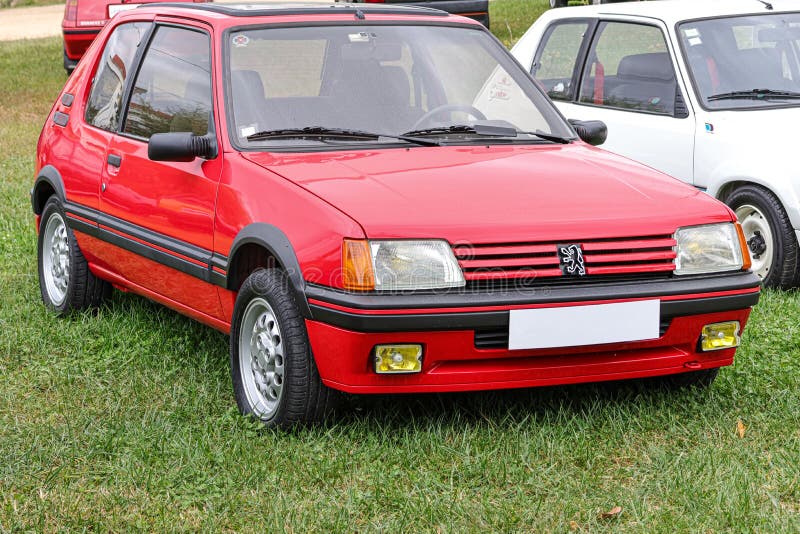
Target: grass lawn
28 3
125 419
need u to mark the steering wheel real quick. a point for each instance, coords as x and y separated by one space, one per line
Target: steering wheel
448 108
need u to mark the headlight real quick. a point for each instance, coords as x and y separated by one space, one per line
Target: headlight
709 248
400 265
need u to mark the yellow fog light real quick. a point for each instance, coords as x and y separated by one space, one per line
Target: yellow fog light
719 336
398 359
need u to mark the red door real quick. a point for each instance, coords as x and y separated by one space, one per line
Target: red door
160 215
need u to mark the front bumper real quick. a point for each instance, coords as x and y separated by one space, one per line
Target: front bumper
463 345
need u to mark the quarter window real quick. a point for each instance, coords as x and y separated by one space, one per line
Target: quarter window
555 62
172 92
105 99
629 67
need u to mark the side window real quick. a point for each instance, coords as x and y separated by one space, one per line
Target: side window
629 67
105 100
555 60
172 92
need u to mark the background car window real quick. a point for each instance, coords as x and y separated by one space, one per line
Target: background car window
629 67
105 99
172 92
555 62
744 54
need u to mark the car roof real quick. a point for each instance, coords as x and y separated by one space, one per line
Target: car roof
253 10
673 11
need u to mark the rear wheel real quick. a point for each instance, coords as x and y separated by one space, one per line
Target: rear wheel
769 234
65 280
275 378
69 64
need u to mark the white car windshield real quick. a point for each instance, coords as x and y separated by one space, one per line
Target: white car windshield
330 85
744 62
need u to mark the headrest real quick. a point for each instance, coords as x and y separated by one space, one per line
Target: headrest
247 82
649 67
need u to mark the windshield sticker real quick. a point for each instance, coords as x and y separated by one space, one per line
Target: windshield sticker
240 41
691 32
694 41
360 37
247 131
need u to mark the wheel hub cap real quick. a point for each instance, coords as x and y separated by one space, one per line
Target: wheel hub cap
261 358
758 234
55 258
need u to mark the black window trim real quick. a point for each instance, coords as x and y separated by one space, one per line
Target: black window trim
137 65
232 138
583 50
596 34
690 73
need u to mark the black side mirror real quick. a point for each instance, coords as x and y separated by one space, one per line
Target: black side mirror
593 132
180 146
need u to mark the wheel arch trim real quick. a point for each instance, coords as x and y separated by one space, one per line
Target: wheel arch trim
277 244
48 176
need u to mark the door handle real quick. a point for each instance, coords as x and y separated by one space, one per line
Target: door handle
114 160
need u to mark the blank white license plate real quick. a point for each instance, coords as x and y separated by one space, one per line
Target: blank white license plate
573 326
113 9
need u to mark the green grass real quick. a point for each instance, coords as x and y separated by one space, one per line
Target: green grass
124 420
510 19
28 3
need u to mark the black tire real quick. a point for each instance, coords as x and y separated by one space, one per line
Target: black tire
700 379
69 64
303 398
82 290
783 268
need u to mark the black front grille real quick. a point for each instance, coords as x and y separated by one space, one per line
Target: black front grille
497 338
507 285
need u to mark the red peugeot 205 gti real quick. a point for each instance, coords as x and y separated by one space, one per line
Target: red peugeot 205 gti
373 199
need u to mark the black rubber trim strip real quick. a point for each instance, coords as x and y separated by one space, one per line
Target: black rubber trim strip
102 225
499 319
539 295
325 9
60 118
80 32
67 99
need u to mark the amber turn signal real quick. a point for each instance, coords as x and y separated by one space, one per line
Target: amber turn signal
357 265
746 261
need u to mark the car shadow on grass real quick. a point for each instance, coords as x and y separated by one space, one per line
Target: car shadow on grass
501 408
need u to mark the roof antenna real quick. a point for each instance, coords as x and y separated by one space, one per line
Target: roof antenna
766 4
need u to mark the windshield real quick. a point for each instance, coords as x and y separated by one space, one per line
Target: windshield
744 62
427 81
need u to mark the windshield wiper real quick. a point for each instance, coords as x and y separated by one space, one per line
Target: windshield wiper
486 130
323 132
754 94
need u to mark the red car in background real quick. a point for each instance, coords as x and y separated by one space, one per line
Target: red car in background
83 20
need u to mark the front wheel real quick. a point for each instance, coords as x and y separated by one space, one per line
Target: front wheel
65 280
770 236
275 378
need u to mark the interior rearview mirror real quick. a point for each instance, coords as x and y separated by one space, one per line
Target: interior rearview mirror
180 146
593 132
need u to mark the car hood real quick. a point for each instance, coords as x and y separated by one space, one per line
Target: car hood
497 193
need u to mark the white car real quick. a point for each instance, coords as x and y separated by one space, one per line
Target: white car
704 90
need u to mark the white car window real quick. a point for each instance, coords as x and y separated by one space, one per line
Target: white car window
555 63
629 68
